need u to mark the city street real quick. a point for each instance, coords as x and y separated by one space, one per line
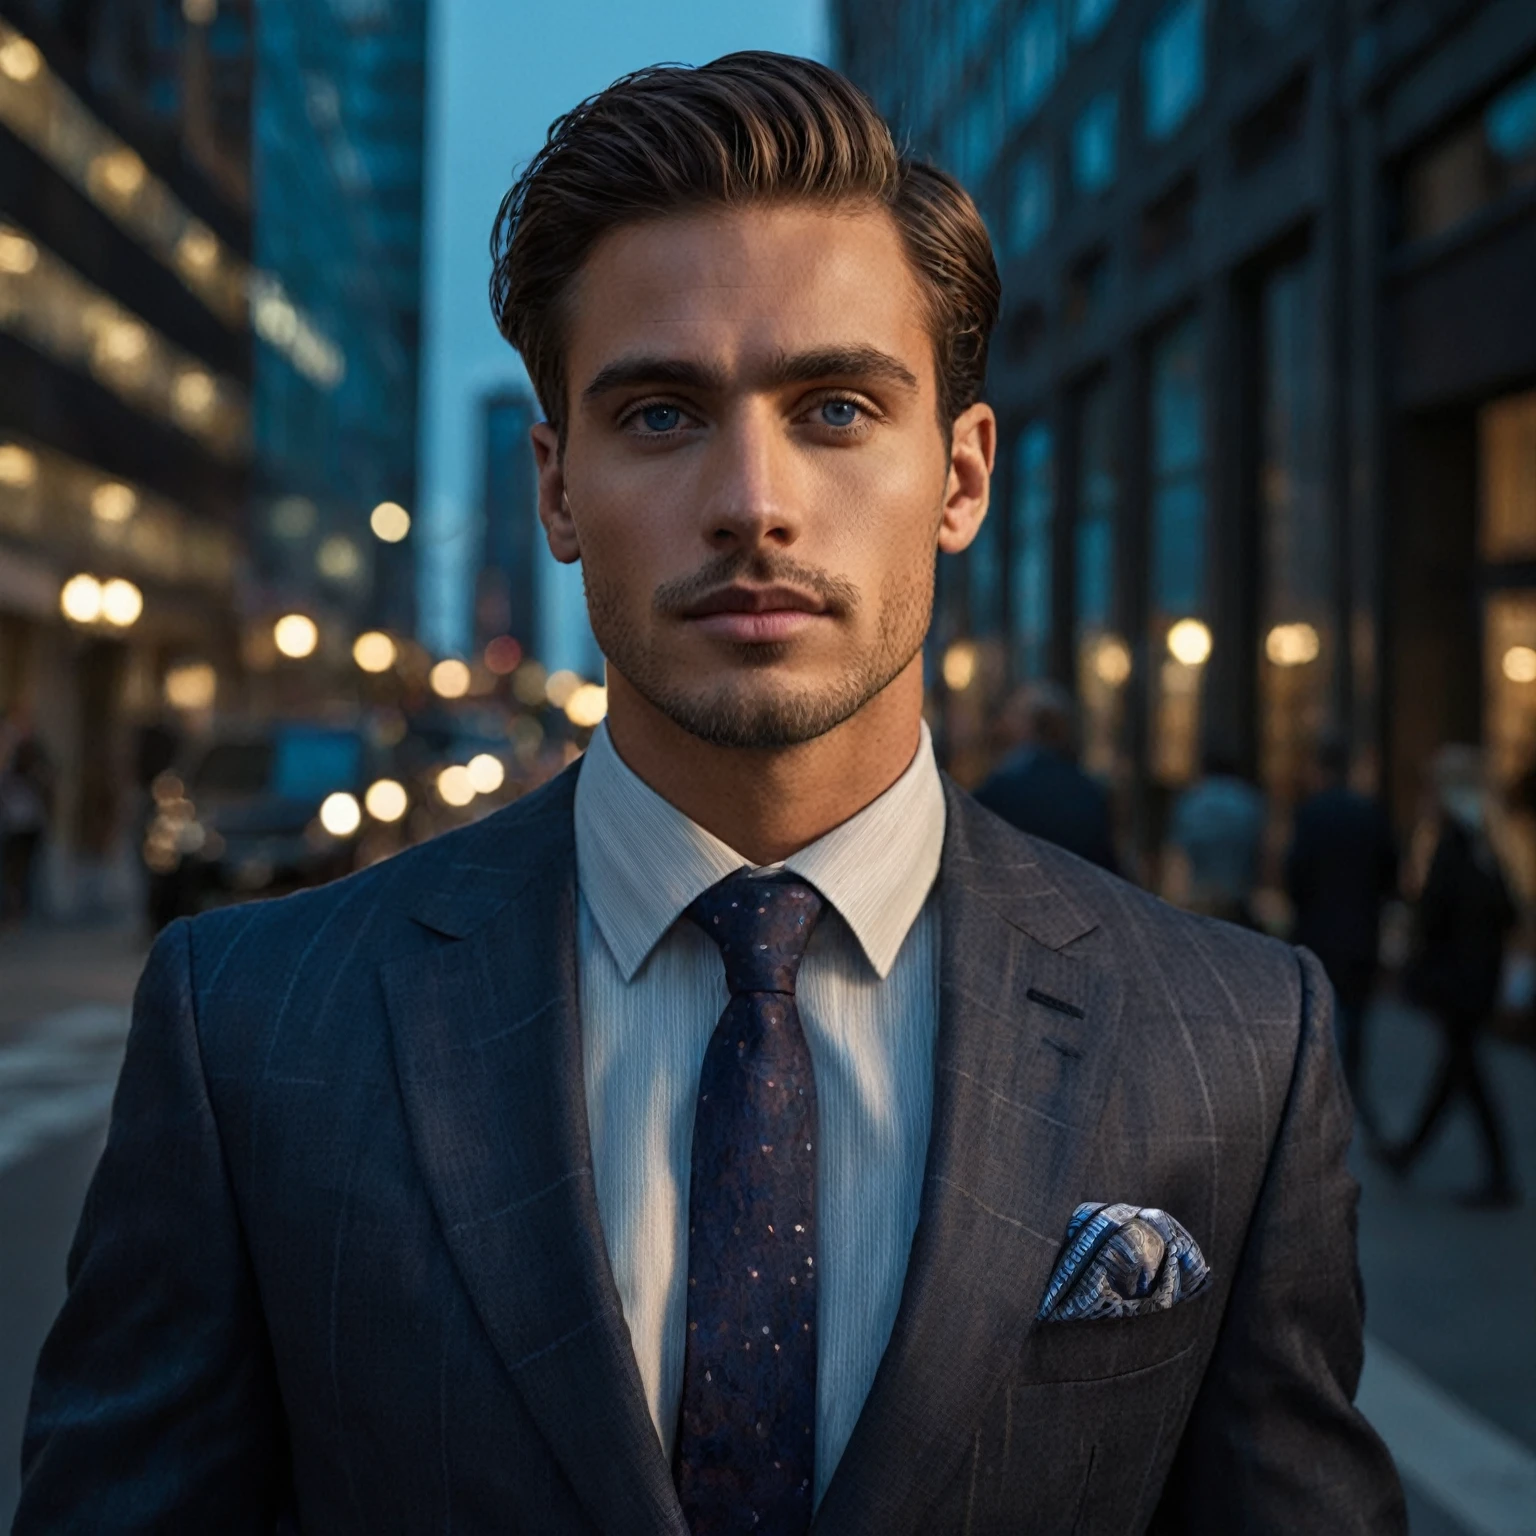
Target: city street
1452 1331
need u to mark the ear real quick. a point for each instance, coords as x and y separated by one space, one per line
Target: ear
972 452
554 502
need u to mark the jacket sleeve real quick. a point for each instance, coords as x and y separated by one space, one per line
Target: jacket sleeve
154 1407
1274 1443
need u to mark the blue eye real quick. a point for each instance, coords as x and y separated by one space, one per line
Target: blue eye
839 413
661 418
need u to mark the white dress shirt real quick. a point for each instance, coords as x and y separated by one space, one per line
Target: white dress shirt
652 989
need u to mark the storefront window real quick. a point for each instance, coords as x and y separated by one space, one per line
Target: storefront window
1507 432
1103 657
1473 165
1507 429
1297 641
1180 640
1033 508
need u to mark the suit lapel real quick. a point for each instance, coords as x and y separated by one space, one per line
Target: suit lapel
1018 1091
487 1044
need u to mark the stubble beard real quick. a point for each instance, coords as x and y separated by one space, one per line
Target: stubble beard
748 708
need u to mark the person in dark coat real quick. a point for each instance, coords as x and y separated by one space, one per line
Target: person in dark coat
1041 790
1341 867
1464 914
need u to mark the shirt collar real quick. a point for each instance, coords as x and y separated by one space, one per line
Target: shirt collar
641 862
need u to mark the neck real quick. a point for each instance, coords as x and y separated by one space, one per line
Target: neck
768 803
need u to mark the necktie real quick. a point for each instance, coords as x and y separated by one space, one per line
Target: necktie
746 1444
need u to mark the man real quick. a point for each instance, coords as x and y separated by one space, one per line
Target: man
1218 833
530 1182
1041 790
1341 867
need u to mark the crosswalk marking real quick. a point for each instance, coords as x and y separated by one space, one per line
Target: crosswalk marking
58 1078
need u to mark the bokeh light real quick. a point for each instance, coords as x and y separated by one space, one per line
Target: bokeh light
374 651
296 635
486 773
340 814
191 685
587 706
386 800
121 602
450 678
454 786
959 666
390 522
1189 642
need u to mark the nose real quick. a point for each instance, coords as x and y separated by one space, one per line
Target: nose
750 499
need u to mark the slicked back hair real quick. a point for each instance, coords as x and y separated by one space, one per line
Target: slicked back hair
748 128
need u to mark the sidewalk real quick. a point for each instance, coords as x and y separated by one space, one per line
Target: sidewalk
47 968
1449 1294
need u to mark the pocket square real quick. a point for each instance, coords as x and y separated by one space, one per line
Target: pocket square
1121 1261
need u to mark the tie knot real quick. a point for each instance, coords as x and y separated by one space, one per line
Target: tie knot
762 926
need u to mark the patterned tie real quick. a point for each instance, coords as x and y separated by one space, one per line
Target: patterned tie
746 1445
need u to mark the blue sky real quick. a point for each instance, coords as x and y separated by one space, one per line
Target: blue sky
499 71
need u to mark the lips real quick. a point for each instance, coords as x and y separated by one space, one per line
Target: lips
757 615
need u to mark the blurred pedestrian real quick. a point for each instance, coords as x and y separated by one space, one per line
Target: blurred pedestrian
1218 831
1341 868
1463 916
26 807
1041 789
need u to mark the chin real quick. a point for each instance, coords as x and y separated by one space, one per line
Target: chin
755 713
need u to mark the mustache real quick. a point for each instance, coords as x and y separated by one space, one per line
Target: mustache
674 599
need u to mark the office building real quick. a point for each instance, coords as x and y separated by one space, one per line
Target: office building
1266 370
125 437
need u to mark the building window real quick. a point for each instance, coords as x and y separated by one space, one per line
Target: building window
1273 126
1180 640
1030 207
1173 68
1507 434
1095 138
1088 18
1297 640
1034 56
1087 286
1169 223
1474 165
1103 657
1033 509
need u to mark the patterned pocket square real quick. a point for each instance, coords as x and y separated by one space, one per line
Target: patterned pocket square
1121 1261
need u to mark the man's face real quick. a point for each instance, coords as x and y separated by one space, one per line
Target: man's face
754 476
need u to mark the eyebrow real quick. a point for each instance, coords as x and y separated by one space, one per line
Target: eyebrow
787 368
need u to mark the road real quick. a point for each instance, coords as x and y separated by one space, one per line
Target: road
1451 1325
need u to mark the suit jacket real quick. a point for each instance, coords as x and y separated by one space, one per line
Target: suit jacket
1047 795
341 1264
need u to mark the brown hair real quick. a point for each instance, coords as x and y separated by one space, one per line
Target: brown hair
748 127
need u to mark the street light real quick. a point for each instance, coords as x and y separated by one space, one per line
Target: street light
80 599
454 786
374 651
296 636
121 602
340 814
386 800
486 773
1189 642
450 678
587 706
390 522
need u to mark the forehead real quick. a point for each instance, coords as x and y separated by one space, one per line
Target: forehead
731 285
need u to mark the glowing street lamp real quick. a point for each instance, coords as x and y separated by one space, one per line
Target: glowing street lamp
1189 642
121 602
386 800
296 635
80 599
340 814
486 773
450 678
374 651
390 522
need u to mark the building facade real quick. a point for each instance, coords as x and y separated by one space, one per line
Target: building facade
1265 371
125 435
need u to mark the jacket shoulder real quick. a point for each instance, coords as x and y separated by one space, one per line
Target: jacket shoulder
1166 957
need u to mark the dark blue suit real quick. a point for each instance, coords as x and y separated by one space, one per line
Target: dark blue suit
341 1266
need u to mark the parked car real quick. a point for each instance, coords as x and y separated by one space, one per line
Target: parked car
256 811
